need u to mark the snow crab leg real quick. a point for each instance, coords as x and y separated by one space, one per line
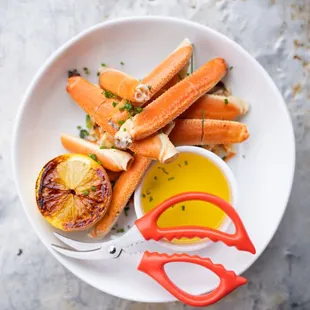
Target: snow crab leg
124 187
123 85
111 159
216 107
101 109
169 67
171 104
208 131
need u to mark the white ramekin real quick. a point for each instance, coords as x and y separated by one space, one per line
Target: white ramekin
233 197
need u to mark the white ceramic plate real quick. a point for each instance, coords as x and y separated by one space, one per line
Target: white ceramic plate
264 166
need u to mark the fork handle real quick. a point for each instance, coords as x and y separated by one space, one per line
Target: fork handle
150 230
153 264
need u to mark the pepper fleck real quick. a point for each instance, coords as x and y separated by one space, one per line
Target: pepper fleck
73 72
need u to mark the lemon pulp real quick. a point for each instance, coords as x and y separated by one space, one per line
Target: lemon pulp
189 172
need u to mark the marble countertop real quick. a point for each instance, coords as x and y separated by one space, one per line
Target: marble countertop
275 32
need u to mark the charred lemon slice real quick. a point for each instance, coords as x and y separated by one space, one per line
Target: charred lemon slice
73 192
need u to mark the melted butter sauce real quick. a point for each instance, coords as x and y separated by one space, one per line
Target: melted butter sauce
189 172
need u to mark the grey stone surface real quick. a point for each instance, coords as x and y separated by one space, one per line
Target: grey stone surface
275 32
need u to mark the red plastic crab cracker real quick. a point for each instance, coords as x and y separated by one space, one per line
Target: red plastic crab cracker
152 264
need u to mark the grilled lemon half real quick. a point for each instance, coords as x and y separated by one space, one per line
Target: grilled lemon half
73 192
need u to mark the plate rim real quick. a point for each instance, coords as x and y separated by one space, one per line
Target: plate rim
60 50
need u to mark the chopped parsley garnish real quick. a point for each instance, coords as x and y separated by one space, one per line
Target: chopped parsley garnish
108 94
183 208
83 133
121 122
103 65
224 158
124 129
185 162
88 122
226 101
73 72
138 110
122 63
150 199
92 156
112 147
86 70
128 106
149 87
121 230
172 178
148 191
98 73
180 77
179 165
164 171
114 103
121 108
155 178
102 147
126 209
79 127
99 162
86 192
93 188
187 73
231 67
143 196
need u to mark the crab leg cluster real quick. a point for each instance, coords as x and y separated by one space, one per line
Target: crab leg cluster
136 122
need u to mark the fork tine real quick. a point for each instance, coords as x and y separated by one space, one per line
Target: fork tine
81 246
86 254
